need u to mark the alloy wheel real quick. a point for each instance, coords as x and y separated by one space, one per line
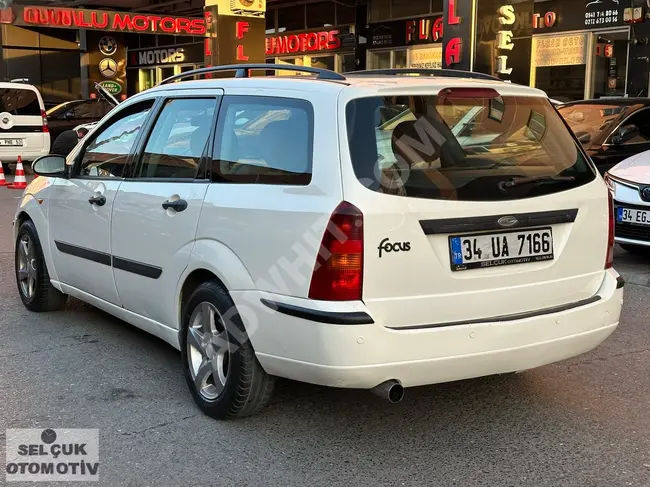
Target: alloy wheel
208 351
27 273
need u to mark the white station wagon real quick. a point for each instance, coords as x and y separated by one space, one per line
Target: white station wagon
369 230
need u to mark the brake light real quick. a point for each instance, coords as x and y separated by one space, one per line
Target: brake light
609 262
44 117
338 273
468 93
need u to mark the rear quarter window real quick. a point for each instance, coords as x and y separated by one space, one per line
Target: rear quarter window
264 140
469 147
19 102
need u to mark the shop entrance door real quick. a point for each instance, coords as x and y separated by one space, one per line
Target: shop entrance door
609 67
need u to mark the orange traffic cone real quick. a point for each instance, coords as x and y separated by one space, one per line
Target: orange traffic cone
3 181
19 181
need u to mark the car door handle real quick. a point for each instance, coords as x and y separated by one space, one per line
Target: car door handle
178 205
97 200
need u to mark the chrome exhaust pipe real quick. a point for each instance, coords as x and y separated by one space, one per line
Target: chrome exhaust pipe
391 390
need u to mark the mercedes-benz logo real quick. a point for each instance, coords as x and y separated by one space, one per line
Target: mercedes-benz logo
645 193
507 221
107 45
108 67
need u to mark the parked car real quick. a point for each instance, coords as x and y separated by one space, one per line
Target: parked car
23 123
68 115
330 229
610 130
629 183
107 98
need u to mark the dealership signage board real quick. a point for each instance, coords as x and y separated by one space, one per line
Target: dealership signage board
579 15
427 30
101 20
169 55
427 58
567 50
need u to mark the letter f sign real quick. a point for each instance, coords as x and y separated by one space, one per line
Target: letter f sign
242 28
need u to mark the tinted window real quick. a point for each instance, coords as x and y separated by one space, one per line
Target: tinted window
85 110
453 148
640 121
107 152
19 102
264 140
592 121
178 139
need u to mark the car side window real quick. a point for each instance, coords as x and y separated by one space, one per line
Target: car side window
264 140
641 121
107 153
178 139
83 110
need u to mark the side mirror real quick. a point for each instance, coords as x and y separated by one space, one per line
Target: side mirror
625 134
52 165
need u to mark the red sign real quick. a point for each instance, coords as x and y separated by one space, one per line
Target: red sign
106 20
303 42
424 30
454 51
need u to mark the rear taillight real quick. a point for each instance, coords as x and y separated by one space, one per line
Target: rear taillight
609 262
338 274
44 117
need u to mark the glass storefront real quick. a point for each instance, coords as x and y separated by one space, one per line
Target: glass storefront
581 65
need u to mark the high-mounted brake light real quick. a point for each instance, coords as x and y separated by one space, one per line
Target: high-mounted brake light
338 273
44 117
609 261
469 93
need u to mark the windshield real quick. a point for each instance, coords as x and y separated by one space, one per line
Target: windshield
589 121
463 148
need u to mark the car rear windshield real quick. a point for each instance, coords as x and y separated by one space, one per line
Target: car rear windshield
463 146
19 102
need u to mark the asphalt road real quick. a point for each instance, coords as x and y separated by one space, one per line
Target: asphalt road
582 423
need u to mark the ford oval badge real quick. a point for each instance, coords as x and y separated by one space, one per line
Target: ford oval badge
507 221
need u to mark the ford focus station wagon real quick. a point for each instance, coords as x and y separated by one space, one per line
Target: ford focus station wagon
372 231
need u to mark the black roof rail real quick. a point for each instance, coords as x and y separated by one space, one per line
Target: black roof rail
243 71
448 73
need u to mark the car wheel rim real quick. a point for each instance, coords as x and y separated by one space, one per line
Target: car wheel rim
27 273
208 351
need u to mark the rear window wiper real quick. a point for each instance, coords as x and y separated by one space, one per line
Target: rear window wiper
534 180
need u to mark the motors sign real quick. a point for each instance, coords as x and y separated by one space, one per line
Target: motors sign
178 54
102 20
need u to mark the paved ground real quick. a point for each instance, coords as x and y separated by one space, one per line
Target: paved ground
581 423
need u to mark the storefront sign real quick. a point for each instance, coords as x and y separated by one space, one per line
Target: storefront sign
112 87
426 58
579 14
398 33
560 51
303 42
102 20
458 24
106 62
182 53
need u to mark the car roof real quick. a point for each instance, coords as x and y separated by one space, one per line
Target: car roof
24 86
356 85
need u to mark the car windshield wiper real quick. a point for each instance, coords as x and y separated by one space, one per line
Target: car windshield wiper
534 180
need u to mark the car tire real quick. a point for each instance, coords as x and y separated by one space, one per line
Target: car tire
636 249
33 279
223 375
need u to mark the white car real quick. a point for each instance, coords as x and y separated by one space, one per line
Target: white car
284 237
629 182
23 123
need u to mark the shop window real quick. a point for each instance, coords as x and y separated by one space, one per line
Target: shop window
379 10
399 59
349 63
437 6
324 62
320 15
345 14
291 18
270 21
408 8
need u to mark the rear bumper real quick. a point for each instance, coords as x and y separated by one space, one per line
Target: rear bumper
365 355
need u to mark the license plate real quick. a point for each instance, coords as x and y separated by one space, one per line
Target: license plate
497 249
11 142
629 215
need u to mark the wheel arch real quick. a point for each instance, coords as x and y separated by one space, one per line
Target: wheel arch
211 260
30 209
